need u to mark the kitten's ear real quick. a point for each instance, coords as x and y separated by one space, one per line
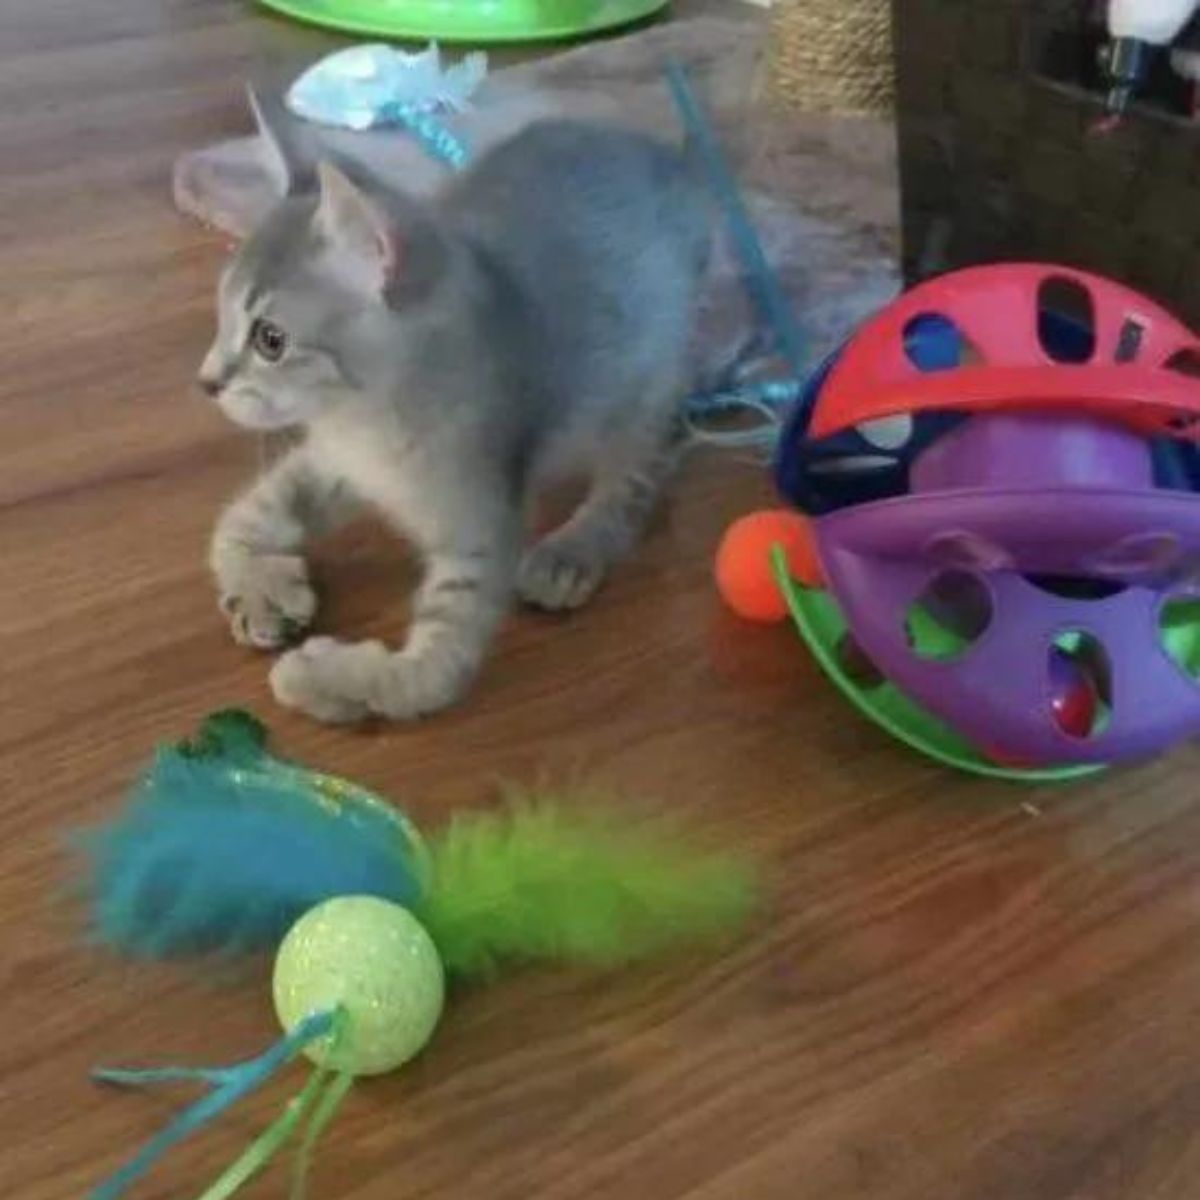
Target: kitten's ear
283 144
368 244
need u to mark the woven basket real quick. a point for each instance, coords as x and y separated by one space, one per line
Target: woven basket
831 56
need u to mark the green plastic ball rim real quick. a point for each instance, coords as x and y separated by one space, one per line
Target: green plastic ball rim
822 626
486 21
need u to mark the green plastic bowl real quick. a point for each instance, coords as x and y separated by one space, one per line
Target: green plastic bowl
822 626
469 20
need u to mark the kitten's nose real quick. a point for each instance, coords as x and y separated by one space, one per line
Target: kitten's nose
214 372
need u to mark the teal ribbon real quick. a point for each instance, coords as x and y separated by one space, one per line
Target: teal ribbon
766 294
229 1085
762 284
424 125
324 1110
319 1100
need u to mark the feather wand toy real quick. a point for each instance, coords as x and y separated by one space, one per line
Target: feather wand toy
227 850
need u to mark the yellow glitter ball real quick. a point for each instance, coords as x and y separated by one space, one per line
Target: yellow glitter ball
372 959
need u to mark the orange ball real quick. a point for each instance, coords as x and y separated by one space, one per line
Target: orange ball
743 565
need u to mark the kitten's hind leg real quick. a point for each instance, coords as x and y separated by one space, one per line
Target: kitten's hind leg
262 578
564 569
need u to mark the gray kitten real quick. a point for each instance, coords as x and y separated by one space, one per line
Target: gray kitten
443 360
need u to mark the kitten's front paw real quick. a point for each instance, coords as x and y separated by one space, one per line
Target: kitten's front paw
330 680
268 599
558 576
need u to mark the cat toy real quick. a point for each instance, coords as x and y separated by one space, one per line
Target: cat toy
737 391
994 544
227 850
376 86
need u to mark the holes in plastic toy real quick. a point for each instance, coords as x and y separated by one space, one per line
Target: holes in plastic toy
887 433
1183 424
1066 320
1080 684
854 664
1076 587
851 464
1179 633
1129 340
1185 362
932 342
952 612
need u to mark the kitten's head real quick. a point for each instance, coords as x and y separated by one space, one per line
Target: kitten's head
311 307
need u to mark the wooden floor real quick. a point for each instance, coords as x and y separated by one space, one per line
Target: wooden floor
962 991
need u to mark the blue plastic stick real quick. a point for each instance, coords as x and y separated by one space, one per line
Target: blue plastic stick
761 282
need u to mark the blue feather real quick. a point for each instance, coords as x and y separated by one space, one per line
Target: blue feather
223 847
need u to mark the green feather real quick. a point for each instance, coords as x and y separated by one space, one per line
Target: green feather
536 881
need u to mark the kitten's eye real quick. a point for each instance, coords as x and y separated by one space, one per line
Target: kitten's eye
268 340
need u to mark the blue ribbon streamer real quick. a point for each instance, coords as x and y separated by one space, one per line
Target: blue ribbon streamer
762 284
769 399
229 1084
423 124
